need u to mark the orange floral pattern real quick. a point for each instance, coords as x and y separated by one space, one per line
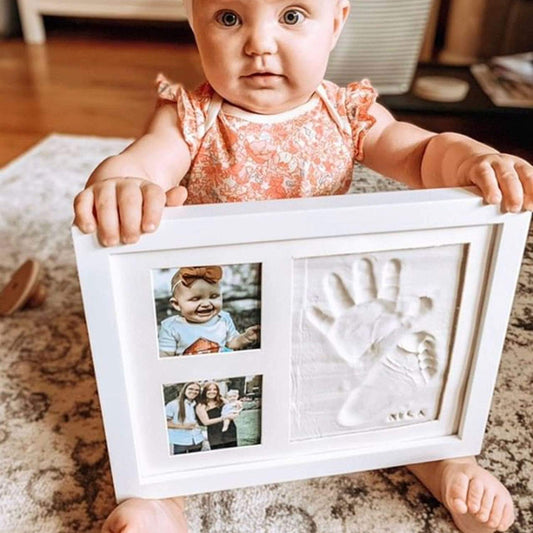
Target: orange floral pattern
240 160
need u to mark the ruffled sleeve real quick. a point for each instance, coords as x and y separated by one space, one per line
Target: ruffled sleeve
191 107
359 98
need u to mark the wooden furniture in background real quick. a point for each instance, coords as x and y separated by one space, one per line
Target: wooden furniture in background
32 11
428 45
478 29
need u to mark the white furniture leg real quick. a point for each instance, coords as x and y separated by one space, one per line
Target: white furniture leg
32 22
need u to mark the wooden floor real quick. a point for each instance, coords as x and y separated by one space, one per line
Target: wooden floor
95 83
90 86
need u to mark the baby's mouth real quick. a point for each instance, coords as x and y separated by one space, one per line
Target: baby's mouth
262 75
204 312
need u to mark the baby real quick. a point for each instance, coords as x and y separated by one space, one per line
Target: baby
267 125
232 406
201 326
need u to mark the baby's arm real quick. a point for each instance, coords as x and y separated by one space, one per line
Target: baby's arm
421 158
126 193
227 408
244 339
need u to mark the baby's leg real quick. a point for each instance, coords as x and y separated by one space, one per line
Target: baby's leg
225 424
147 516
477 501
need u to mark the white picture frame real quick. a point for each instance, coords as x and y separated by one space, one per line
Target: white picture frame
459 255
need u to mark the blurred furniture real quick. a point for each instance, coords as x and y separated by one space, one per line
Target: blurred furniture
8 18
381 41
478 29
432 26
32 11
505 128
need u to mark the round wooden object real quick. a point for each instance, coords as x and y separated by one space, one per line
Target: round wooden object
23 290
441 89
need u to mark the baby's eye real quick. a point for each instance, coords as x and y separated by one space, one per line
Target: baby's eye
215 296
228 18
292 17
194 299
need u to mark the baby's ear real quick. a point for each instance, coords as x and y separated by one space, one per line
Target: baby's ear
342 10
174 304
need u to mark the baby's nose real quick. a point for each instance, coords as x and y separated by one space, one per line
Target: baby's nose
260 40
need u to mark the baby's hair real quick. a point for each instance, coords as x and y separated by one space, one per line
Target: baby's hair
188 275
232 391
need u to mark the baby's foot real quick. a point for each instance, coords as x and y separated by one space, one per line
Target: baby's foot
477 501
147 516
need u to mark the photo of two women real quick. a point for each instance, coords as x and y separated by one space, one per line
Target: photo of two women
211 415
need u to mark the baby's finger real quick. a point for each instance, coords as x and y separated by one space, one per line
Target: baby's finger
484 177
176 196
83 211
510 185
105 202
153 203
129 202
525 174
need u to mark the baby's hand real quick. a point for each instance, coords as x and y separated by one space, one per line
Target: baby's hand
501 178
120 209
252 334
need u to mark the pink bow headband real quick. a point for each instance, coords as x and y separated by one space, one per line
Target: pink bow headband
188 275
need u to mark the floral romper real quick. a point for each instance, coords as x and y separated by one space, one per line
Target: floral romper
240 156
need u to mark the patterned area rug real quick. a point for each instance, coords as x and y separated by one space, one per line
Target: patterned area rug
54 465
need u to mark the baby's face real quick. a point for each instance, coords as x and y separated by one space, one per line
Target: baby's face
232 396
266 56
200 302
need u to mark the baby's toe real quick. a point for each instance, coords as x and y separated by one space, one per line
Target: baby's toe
485 508
476 491
507 517
456 494
496 514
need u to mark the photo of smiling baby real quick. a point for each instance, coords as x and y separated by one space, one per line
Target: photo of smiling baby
207 309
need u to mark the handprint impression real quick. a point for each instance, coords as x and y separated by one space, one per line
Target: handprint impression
373 329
